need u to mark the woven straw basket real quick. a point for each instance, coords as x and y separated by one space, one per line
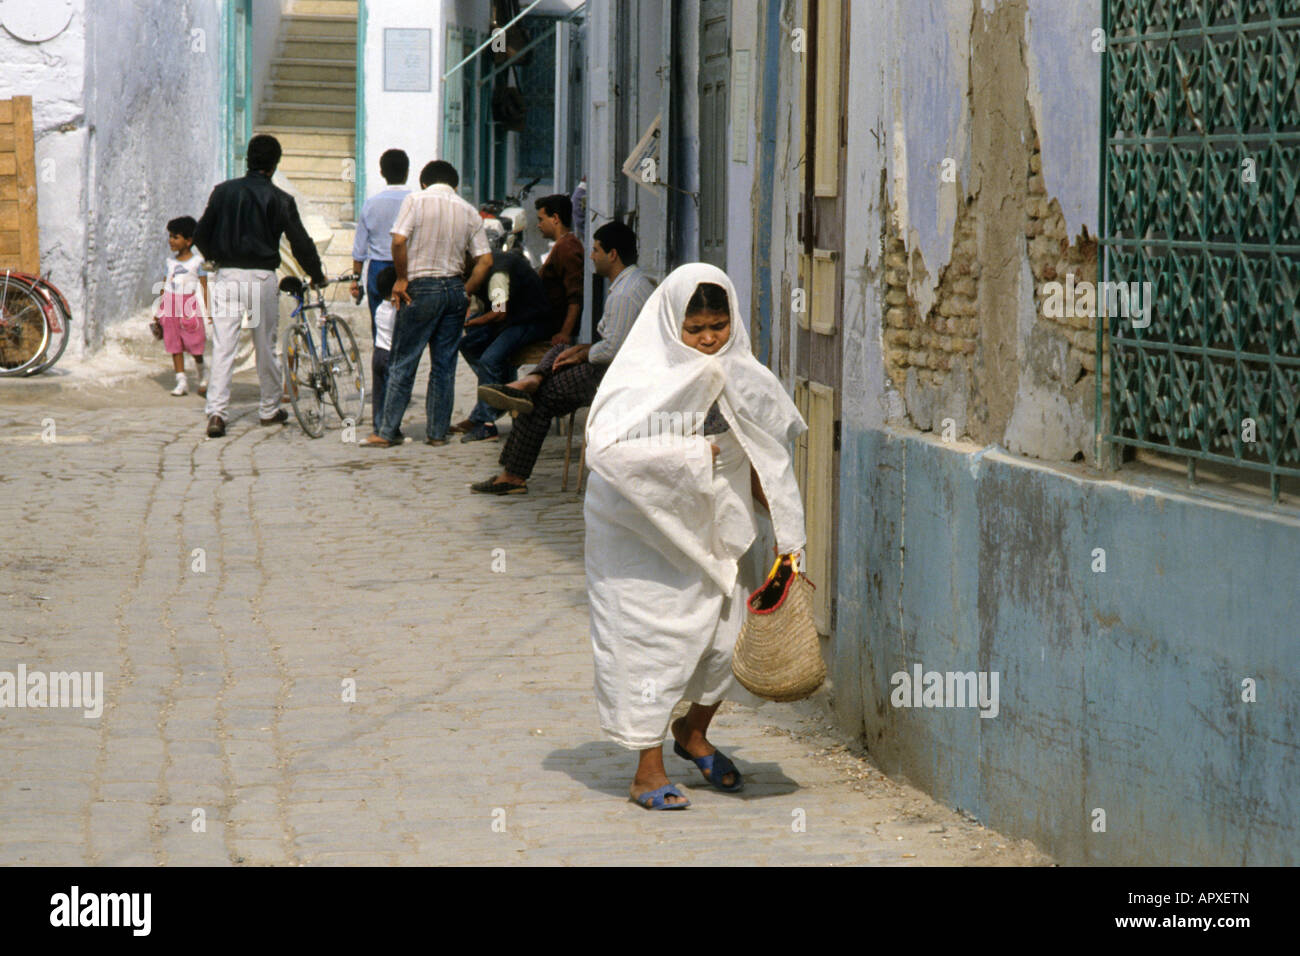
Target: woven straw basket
778 655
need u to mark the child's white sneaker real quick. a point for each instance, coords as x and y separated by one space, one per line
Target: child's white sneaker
182 384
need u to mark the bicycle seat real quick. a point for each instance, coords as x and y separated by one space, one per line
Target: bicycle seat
292 285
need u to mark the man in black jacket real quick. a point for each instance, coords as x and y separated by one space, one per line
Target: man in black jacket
240 231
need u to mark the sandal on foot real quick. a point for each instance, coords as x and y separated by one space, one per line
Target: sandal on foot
713 767
657 799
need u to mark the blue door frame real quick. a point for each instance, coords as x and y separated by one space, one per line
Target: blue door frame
359 133
236 98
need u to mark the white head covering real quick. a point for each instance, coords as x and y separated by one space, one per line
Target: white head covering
655 377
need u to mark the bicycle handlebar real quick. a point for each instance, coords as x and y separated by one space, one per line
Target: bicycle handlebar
295 287
525 191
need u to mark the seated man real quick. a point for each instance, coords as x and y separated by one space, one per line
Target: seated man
567 377
561 273
518 315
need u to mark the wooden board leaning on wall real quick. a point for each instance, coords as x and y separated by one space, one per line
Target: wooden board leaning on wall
19 239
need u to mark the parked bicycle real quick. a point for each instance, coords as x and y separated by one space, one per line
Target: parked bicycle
35 323
332 372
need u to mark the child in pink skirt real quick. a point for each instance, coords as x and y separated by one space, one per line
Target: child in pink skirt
182 306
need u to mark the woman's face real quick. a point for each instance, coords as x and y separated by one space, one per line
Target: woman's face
707 331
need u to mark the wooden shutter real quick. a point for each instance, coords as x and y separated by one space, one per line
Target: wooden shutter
714 76
818 490
801 443
821 306
826 151
20 246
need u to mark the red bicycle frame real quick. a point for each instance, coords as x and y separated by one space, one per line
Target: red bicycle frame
48 291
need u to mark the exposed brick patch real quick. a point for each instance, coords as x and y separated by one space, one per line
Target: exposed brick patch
945 336
1052 258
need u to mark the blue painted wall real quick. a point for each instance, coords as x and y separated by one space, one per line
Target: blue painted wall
1119 690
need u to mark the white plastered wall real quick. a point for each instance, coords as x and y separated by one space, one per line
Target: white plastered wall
410 121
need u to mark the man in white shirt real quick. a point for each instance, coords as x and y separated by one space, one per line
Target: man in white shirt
434 233
373 244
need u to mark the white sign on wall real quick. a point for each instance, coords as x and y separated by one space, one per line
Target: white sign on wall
408 60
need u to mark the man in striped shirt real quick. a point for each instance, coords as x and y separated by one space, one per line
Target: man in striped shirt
434 232
567 377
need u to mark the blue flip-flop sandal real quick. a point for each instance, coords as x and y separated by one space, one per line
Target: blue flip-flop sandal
714 767
657 799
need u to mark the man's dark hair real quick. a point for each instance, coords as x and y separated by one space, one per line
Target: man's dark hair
708 297
182 226
616 237
557 205
264 153
395 166
384 281
439 171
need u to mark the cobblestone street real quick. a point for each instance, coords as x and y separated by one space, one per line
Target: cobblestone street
229 589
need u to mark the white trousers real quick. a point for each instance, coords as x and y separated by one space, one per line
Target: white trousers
236 292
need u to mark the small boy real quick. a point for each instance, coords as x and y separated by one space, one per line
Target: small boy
385 319
183 304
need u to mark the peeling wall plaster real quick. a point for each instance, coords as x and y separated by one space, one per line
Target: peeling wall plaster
1008 92
931 49
1065 97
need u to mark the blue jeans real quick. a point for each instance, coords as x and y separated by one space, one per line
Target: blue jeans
379 379
373 298
487 349
436 317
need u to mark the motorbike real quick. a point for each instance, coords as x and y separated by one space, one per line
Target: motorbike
506 221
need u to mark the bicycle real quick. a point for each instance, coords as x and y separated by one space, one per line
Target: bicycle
334 371
35 323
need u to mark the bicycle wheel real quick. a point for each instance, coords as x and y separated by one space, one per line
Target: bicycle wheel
61 329
348 379
303 380
24 327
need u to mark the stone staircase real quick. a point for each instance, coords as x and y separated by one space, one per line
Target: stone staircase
309 105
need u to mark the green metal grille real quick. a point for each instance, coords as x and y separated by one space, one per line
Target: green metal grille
537 82
1198 98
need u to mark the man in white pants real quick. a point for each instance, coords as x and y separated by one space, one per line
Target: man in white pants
236 293
240 231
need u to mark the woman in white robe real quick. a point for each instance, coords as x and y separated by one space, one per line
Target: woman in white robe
686 430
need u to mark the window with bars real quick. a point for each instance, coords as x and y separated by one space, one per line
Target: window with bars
1200 166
